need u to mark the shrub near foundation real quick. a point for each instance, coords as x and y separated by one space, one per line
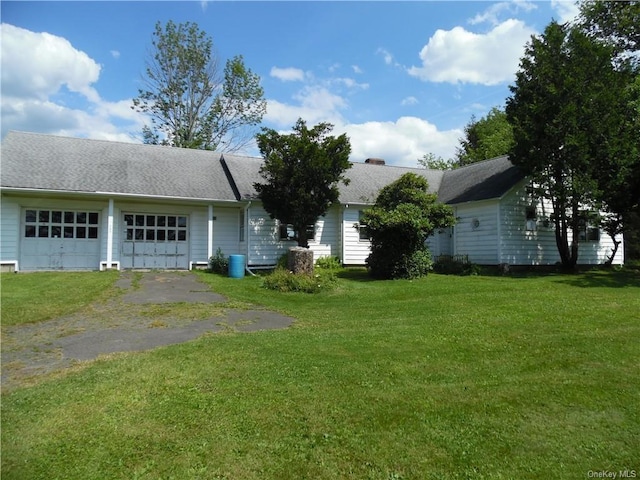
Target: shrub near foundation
283 280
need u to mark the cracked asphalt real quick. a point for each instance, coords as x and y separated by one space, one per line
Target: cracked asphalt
154 309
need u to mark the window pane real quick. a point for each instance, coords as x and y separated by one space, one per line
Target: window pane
68 232
56 232
128 220
161 221
139 234
171 221
129 233
171 235
43 231
151 234
56 217
160 235
68 217
182 235
93 232
30 231
30 216
151 221
81 232
81 217
182 221
93 218
139 220
43 215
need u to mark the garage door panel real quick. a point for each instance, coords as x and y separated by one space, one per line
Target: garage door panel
155 241
54 239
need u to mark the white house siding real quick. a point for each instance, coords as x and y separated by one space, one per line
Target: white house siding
264 245
355 251
441 242
9 232
476 232
327 238
536 244
226 230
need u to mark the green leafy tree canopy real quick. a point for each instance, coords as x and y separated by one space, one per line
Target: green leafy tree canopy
302 171
404 216
565 110
189 102
489 137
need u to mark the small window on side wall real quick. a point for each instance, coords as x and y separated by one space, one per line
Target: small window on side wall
363 231
286 232
531 218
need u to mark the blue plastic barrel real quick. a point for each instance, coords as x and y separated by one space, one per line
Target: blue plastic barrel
236 266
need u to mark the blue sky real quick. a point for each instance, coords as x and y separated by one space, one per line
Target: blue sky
401 79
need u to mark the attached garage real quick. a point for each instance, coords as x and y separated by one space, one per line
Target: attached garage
155 241
59 239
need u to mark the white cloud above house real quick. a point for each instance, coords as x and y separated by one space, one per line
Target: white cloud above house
48 86
461 56
288 74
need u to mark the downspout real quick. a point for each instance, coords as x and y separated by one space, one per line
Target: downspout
342 226
209 232
110 235
247 237
499 232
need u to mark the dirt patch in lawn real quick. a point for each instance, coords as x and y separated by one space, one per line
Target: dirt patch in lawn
151 309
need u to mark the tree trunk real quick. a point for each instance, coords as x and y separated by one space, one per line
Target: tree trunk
301 260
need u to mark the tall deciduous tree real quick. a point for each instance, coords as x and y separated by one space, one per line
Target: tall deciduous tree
489 137
404 216
618 24
190 103
565 109
302 171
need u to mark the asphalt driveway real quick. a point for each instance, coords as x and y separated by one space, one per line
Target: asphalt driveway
154 309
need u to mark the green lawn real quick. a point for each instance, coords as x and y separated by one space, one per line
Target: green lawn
444 377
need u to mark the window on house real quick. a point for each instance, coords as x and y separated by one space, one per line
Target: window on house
363 231
589 230
531 217
241 226
286 232
59 224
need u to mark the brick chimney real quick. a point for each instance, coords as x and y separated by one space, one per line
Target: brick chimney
374 161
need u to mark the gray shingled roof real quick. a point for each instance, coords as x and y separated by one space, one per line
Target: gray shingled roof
365 183
479 181
47 162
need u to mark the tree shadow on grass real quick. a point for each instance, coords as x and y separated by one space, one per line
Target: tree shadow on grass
355 274
603 278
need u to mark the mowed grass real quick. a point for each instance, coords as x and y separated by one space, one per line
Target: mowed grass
444 377
34 297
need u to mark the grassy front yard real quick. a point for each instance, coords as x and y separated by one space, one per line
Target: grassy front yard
445 377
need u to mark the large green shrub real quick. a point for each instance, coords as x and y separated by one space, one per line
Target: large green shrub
282 280
219 263
404 216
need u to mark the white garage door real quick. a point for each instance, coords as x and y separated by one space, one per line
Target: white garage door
155 241
60 239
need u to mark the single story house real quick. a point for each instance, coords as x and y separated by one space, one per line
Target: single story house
79 204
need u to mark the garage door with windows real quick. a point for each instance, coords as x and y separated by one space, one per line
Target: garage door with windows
155 241
60 239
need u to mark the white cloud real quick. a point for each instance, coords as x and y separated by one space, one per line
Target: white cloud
289 74
350 83
313 103
460 56
496 10
401 142
356 69
115 54
567 9
409 101
38 71
388 57
39 64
